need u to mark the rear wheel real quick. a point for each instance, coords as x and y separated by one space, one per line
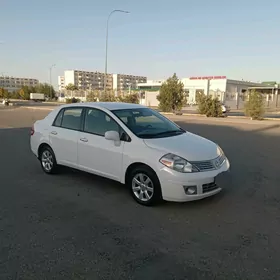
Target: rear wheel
145 186
48 160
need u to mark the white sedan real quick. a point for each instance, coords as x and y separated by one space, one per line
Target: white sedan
131 144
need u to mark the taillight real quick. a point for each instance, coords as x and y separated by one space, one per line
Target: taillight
32 130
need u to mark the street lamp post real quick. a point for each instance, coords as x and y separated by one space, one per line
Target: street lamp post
51 80
106 55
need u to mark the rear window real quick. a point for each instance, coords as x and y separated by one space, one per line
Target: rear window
69 118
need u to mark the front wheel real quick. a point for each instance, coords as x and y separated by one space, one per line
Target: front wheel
48 160
145 186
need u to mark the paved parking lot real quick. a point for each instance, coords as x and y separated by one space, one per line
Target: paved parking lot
79 226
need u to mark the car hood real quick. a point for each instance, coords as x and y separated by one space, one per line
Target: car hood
187 145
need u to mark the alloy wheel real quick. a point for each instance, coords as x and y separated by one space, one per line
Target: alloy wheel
142 187
47 160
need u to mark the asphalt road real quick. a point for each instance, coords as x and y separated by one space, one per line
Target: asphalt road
80 226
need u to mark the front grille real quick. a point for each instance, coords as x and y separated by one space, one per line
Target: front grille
204 165
209 187
209 164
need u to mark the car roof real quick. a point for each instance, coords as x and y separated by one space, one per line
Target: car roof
106 105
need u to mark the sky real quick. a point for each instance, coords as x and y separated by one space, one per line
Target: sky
238 39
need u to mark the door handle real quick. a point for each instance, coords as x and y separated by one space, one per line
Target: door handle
54 132
84 139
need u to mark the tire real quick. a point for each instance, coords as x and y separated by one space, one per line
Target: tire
48 160
149 193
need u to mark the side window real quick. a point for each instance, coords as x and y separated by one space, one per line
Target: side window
124 119
98 122
72 118
58 118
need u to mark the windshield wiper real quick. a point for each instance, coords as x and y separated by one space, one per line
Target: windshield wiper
169 132
163 133
149 135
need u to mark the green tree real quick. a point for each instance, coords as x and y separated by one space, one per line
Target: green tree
209 106
71 87
92 96
202 102
171 96
15 94
2 90
44 88
4 94
254 106
25 91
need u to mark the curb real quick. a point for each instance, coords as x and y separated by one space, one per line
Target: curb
37 108
227 117
271 119
167 113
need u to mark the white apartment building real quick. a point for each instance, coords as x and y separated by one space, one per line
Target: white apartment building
84 80
13 83
61 83
123 82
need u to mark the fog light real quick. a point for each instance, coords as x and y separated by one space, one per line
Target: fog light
190 190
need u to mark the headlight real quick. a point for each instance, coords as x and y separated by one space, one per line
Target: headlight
221 152
177 163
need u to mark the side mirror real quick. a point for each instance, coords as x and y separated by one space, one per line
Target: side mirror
113 136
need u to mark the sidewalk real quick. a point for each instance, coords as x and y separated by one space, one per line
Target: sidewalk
46 108
229 120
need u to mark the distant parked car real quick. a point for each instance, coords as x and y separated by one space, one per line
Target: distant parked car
131 144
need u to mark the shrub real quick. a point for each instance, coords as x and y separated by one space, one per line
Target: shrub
201 100
72 100
15 95
24 93
131 98
4 93
254 106
211 107
92 97
108 97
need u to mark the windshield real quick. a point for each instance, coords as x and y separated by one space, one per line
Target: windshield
147 123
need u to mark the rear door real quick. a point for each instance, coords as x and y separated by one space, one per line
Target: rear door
64 135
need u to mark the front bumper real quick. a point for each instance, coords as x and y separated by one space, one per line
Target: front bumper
174 185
